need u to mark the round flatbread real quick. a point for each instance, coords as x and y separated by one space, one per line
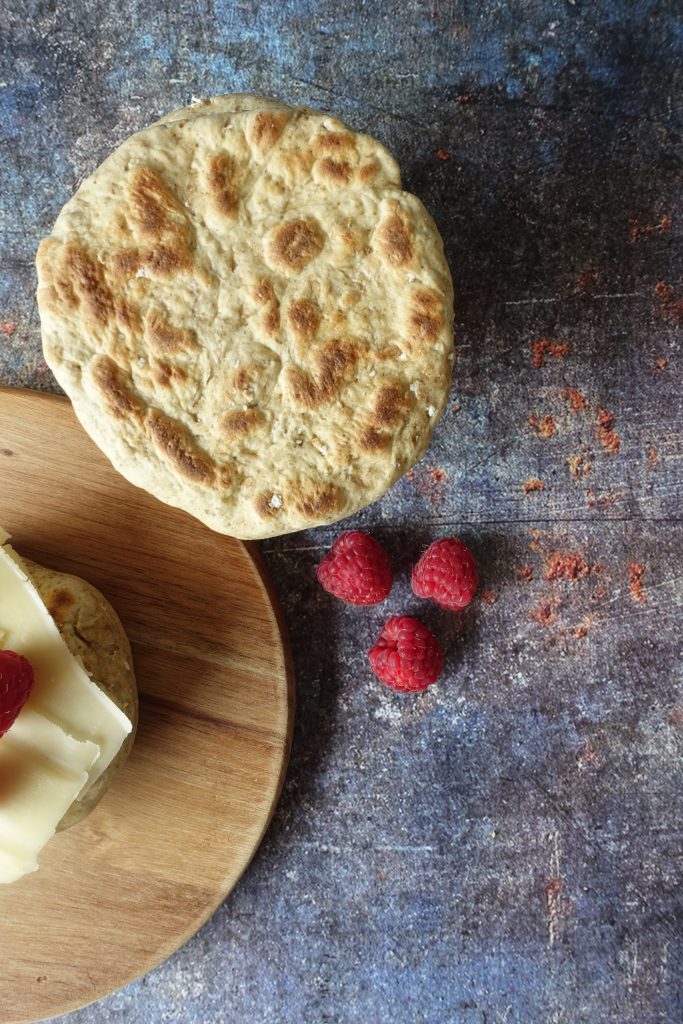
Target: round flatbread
94 634
252 319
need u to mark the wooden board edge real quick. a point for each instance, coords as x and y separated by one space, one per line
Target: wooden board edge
272 600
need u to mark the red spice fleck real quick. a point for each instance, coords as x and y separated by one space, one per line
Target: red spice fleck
574 399
7 327
566 566
464 97
456 408
410 475
582 630
442 154
669 306
536 536
662 363
598 595
544 427
675 716
381 875
605 433
489 596
533 484
586 281
597 568
547 347
636 571
546 612
525 573
588 756
651 458
648 229
602 501
553 889
578 466
431 482
556 905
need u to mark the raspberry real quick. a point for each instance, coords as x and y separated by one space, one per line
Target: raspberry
407 657
16 683
356 569
446 574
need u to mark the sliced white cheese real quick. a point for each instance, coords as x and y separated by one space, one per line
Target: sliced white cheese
63 691
14 867
42 771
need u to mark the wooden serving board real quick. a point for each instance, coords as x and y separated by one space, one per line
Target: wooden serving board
119 893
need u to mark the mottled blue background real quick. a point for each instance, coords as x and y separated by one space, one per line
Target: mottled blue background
505 849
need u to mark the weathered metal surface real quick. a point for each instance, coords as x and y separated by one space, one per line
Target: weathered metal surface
507 847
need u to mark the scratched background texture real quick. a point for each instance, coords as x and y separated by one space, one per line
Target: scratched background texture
507 847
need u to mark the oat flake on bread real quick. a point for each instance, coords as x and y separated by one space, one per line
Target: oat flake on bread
252 319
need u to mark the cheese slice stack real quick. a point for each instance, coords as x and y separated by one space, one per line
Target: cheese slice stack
66 735
42 771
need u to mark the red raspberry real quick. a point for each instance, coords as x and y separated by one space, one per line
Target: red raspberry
446 574
16 683
407 657
356 569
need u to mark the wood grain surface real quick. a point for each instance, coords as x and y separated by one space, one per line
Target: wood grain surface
117 894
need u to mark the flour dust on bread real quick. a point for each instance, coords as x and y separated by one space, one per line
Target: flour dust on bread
252 319
95 636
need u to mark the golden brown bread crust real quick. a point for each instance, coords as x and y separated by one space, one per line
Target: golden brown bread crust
94 634
234 301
